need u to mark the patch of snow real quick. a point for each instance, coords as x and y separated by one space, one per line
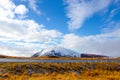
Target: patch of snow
57 51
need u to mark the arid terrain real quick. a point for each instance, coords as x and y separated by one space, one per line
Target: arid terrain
60 71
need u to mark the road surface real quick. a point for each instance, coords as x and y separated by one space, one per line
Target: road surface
28 60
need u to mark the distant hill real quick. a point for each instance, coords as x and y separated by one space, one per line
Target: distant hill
92 55
4 56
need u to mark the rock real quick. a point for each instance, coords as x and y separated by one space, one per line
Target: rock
118 68
30 72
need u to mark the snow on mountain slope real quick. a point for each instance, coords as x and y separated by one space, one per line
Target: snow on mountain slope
57 51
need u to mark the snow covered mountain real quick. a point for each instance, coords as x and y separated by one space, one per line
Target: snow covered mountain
57 51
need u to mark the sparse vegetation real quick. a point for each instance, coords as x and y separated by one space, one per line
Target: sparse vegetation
60 71
71 58
58 58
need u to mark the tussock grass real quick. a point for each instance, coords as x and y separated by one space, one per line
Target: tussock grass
71 58
60 71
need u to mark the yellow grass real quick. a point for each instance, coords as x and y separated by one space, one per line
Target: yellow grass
72 58
60 71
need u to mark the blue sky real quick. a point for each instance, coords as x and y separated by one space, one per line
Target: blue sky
85 26
53 16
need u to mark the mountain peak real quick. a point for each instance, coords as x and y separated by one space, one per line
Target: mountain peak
57 51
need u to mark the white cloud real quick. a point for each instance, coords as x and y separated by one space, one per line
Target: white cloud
111 26
33 5
106 43
7 4
6 9
115 11
79 10
21 9
22 37
27 31
14 48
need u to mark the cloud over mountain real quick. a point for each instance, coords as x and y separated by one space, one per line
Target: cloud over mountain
22 34
19 36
